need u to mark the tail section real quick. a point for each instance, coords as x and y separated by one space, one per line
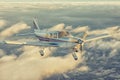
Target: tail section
35 24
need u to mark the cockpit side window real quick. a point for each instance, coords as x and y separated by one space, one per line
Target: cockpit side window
53 35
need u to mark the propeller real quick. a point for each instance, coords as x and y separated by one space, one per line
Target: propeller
81 47
78 40
80 43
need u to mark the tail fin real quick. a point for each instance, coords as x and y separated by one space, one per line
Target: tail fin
35 24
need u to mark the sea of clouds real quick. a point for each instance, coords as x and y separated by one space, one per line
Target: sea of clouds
99 60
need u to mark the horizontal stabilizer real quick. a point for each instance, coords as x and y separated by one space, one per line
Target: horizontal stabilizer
26 34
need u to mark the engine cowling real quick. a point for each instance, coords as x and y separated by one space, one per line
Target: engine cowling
41 52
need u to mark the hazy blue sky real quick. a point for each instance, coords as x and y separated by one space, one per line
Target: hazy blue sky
51 0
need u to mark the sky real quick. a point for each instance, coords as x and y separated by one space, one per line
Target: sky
52 0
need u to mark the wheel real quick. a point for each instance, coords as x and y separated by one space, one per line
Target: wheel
41 52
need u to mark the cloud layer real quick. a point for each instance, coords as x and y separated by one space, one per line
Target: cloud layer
99 61
2 23
29 65
13 30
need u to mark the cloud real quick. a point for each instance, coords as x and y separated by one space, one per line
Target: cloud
113 53
13 30
7 58
102 57
103 50
103 72
2 53
33 51
2 23
29 65
109 30
80 29
34 68
58 27
83 69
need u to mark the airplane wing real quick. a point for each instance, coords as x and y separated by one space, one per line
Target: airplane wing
104 36
97 38
37 43
40 43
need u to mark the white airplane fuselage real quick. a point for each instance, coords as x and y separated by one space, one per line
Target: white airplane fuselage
53 36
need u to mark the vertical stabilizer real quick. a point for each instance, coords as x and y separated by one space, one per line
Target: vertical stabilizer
35 24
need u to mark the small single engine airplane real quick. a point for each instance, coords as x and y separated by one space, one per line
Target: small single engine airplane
61 38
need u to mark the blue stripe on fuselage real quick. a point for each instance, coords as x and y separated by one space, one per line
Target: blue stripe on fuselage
55 44
50 39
